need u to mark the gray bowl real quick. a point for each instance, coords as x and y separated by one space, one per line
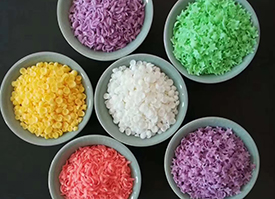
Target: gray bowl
208 79
7 106
63 8
65 152
212 121
106 119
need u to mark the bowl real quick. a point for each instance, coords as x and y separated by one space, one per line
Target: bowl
63 8
106 119
7 106
208 79
65 152
212 121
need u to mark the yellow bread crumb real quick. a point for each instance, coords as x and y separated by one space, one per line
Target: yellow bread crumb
49 99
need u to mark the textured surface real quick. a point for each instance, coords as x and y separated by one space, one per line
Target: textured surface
109 27
66 151
96 171
7 106
103 113
213 121
212 36
63 8
168 32
248 99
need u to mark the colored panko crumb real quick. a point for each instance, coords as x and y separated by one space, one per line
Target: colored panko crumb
106 25
213 36
96 172
211 163
142 100
49 99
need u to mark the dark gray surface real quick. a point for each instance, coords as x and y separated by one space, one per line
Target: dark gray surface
28 26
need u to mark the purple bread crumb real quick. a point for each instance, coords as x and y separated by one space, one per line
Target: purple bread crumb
211 163
106 25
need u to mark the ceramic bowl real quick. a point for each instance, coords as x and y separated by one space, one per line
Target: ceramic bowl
66 151
106 119
208 79
7 106
212 121
63 8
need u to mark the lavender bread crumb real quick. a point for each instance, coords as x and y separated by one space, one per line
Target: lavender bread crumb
211 163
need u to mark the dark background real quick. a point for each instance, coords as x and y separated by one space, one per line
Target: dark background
28 26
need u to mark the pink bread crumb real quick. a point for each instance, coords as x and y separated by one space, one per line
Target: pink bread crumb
96 172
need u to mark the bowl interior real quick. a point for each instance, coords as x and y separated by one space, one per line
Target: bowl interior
168 34
64 153
106 119
212 121
7 106
63 8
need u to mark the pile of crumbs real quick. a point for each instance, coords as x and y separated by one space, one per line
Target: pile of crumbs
213 36
107 25
96 172
211 162
142 99
49 99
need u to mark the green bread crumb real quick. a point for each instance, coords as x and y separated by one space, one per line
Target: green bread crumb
212 36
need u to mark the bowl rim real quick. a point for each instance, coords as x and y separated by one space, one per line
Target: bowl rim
109 57
96 95
167 169
71 144
217 79
14 67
